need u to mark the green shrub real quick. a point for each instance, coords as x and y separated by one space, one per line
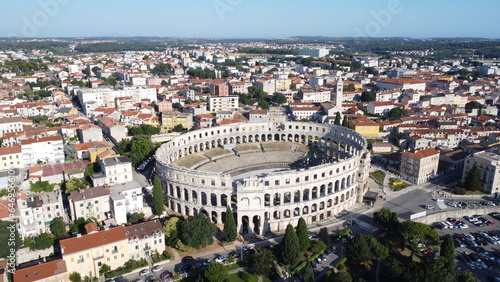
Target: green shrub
245 276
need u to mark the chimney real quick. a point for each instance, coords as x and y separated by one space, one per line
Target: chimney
78 235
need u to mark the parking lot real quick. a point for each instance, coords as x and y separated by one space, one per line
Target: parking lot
477 242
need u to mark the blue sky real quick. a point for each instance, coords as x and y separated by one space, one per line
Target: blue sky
251 18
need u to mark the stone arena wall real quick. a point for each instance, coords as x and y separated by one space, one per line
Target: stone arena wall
267 203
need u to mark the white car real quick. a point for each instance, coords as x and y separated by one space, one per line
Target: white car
220 259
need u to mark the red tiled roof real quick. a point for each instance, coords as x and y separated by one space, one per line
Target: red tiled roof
40 271
424 153
89 241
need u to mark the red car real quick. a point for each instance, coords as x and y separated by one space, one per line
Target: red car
489 223
166 274
426 252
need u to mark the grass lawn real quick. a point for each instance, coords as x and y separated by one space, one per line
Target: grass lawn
399 186
379 176
233 266
216 152
190 160
236 277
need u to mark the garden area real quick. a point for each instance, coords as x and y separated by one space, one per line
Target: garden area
396 184
378 176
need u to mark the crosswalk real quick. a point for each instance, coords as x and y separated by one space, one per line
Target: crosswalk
365 225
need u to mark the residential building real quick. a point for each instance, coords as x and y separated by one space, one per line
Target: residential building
91 202
90 132
114 171
145 238
219 89
49 149
165 106
314 95
10 124
171 119
126 199
314 52
113 129
86 254
488 164
392 83
227 103
365 126
11 157
267 85
37 212
91 98
419 166
52 271
380 108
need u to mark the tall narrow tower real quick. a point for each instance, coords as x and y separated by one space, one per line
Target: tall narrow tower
340 92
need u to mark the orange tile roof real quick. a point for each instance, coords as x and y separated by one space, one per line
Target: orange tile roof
424 153
16 149
40 271
89 241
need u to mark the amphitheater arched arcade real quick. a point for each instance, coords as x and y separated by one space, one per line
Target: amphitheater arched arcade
265 202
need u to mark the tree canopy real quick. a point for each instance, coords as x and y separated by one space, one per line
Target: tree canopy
472 180
57 227
158 196
396 113
338 119
215 272
279 98
289 246
197 231
263 262
367 96
386 218
414 233
473 105
230 231
303 235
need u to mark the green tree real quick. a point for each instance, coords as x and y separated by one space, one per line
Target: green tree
75 277
74 184
104 269
263 104
163 83
289 246
230 231
303 235
171 227
57 227
473 105
178 128
42 242
396 113
339 277
279 98
70 152
136 217
345 121
158 196
367 96
447 251
386 218
378 250
466 276
358 250
308 275
414 233
149 129
473 179
197 231
140 148
95 69
136 130
263 262
215 272
325 236
338 119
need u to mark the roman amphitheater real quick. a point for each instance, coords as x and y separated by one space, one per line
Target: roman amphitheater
270 173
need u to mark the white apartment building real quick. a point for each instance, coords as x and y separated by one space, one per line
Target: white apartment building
314 95
49 149
37 212
224 103
380 108
126 199
114 171
10 124
91 202
91 98
488 164
390 83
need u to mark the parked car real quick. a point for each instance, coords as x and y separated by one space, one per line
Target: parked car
220 259
144 272
187 259
166 274
157 268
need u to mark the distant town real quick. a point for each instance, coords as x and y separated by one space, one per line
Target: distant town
127 157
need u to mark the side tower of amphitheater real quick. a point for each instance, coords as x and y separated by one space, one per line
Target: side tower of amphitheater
271 174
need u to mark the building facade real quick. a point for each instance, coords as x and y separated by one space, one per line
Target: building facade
48 149
419 166
488 164
145 238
